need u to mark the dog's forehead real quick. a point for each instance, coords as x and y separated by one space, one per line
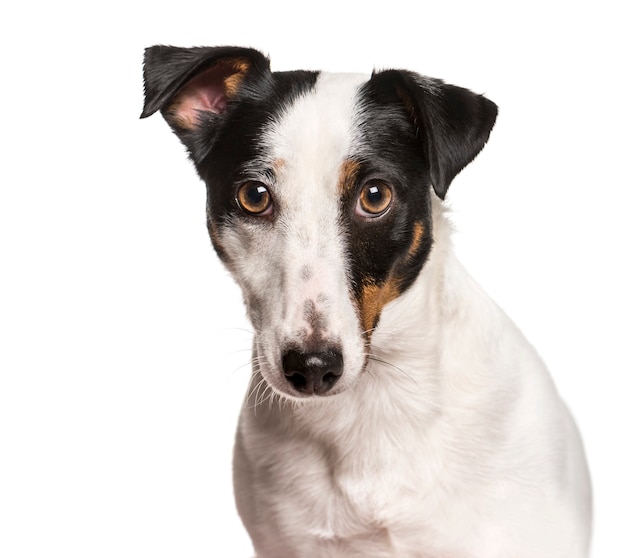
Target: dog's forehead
317 129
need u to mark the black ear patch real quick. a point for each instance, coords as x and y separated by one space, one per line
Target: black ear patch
197 89
187 83
452 123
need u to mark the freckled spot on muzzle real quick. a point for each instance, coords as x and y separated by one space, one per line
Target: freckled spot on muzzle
306 273
316 319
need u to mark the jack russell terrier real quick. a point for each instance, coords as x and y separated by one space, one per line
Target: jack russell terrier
394 410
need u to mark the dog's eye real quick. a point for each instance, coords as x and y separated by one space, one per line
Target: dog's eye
254 198
374 199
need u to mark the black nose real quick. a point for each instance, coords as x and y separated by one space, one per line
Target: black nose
311 373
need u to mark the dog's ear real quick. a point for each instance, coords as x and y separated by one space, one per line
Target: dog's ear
194 86
452 123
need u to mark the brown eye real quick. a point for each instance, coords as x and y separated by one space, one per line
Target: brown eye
254 198
374 199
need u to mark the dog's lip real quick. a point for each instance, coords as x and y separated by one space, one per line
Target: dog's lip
285 390
274 379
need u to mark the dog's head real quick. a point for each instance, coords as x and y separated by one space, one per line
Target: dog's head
318 193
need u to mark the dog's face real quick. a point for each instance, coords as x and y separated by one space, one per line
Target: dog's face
318 193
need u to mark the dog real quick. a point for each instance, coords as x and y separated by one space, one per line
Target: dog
393 410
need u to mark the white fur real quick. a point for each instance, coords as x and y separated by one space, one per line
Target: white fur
452 443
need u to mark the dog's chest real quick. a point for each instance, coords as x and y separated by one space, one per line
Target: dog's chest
346 499
359 504
366 509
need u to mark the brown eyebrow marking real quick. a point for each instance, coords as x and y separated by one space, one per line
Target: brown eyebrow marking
348 174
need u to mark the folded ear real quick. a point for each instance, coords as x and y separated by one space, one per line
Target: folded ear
452 123
188 85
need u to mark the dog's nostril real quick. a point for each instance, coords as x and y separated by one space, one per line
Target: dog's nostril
329 378
298 381
313 373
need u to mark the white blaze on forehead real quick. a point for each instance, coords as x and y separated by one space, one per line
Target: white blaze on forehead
311 140
314 135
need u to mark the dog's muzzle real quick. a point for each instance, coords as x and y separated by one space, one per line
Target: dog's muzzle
312 373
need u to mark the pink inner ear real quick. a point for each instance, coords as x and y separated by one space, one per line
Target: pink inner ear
210 97
204 93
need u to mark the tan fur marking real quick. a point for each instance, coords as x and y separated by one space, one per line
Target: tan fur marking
418 235
176 117
347 176
233 82
373 299
278 165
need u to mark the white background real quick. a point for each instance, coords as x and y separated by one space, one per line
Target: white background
123 343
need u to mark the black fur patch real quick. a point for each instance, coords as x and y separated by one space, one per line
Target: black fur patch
416 133
389 150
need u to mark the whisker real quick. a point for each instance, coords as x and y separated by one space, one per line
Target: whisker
391 365
272 397
240 329
254 391
258 398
